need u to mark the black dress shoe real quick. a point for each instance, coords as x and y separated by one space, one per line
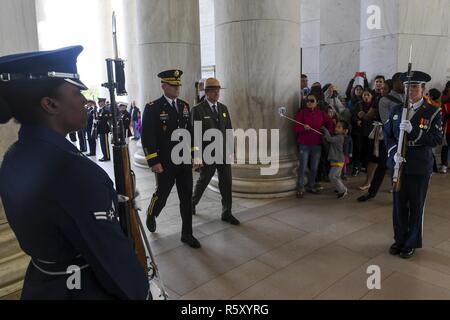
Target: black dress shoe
395 249
407 253
365 197
104 159
151 223
191 241
313 190
90 155
231 220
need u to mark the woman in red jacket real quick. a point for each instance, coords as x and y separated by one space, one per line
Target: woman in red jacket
310 143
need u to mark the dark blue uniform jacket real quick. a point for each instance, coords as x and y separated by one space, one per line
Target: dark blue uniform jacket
61 207
426 134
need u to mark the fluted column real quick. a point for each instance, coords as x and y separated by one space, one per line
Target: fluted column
331 40
168 37
19 16
258 61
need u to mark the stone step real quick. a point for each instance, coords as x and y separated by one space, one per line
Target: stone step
12 272
11 292
8 243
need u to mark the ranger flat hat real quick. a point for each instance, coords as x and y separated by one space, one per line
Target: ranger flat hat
212 83
172 77
418 77
42 65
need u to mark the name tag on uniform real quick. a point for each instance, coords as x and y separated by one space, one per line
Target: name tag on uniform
206 117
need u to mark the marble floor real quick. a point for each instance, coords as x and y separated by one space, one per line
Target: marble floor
315 248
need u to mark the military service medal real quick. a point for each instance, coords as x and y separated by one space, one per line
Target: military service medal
424 124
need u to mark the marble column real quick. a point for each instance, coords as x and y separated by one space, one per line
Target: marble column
330 40
405 22
20 16
258 61
339 41
168 37
207 32
310 39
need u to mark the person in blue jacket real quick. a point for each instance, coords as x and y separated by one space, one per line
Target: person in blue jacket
423 129
61 205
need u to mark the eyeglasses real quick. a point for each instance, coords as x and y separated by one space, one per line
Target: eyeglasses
311 101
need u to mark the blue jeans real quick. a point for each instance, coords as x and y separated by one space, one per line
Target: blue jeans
335 178
307 154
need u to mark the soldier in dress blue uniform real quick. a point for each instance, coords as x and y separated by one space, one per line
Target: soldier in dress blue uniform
161 118
82 140
104 128
91 129
60 205
424 131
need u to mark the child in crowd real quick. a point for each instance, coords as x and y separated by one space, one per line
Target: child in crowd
336 156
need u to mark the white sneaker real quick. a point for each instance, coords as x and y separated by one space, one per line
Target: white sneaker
443 169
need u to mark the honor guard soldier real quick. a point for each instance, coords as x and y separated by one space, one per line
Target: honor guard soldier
161 118
60 205
104 128
82 140
92 128
424 132
214 115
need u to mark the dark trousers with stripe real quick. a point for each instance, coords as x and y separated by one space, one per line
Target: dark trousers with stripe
92 140
380 172
225 182
104 144
180 175
409 205
82 140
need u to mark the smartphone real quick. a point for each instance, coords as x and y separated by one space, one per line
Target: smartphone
360 74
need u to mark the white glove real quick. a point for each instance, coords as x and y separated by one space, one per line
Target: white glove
398 158
406 126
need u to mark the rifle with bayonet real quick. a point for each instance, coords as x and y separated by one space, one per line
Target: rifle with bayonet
125 178
403 137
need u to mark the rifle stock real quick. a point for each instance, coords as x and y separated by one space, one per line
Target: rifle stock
125 183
